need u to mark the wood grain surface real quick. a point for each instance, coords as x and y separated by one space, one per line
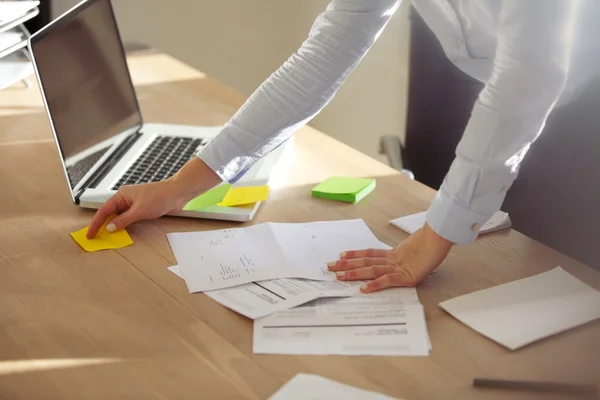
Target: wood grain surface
118 325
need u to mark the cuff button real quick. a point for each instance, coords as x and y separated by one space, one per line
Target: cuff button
474 227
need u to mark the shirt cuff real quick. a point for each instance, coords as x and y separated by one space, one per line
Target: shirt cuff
454 222
225 157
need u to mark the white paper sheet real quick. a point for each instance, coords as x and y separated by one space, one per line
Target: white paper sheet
521 312
259 299
212 260
12 69
414 222
12 10
390 322
314 387
9 39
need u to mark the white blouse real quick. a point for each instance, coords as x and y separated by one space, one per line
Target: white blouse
531 54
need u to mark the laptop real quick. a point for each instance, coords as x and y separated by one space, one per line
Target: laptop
79 61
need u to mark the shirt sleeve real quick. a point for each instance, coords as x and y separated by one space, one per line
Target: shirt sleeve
530 71
295 93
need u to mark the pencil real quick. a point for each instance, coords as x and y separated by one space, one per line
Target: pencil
547 387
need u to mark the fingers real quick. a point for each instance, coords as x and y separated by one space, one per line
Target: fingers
387 281
347 264
107 209
122 221
371 253
365 273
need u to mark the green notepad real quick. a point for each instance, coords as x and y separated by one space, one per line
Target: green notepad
208 198
351 190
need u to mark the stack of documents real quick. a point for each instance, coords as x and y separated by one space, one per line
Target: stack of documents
521 312
390 322
220 259
386 323
9 39
14 11
259 299
277 275
414 222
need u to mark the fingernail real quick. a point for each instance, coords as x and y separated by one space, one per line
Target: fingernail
331 264
111 227
342 254
364 287
340 274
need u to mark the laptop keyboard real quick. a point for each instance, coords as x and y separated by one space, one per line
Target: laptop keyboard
165 156
77 171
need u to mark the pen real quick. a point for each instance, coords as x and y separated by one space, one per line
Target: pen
548 387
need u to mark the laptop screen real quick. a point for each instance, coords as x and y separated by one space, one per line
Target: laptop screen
84 77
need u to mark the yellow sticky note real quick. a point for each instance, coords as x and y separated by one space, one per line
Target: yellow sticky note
245 196
103 240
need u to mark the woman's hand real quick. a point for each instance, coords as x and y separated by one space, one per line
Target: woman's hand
406 265
153 200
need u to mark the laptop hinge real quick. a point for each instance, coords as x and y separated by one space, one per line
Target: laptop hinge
109 163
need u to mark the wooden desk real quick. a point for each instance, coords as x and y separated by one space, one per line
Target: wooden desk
117 324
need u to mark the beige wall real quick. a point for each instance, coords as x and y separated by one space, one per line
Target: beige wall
243 47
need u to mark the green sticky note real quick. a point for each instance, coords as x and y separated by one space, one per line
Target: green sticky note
208 198
351 190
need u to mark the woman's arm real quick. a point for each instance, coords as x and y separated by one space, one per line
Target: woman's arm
301 87
530 70
295 93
